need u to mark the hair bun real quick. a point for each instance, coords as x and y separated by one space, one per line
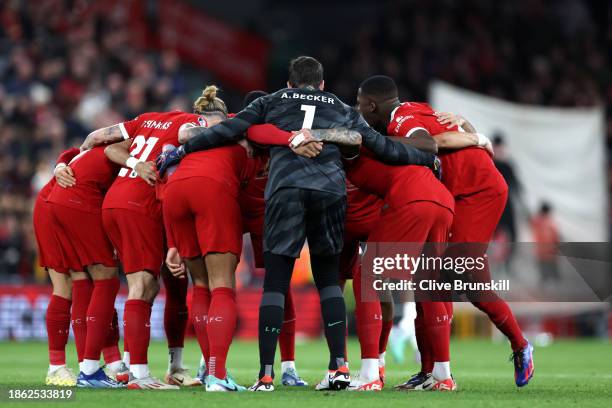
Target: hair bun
210 93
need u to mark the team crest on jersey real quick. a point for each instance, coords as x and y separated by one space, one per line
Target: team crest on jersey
202 122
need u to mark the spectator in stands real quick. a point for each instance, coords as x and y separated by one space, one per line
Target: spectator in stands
546 238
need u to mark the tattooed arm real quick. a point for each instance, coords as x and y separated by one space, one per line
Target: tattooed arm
341 136
105 135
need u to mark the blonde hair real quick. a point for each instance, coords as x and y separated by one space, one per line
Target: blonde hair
208 103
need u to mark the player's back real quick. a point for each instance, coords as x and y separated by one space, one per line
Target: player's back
94 175
296 108
149 132
398 185
465 171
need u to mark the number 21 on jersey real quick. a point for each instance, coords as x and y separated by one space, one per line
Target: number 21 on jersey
141 149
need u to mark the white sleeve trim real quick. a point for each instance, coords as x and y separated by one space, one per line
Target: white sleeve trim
411 131
124 132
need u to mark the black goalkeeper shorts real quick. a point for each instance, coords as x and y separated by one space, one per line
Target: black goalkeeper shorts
294 215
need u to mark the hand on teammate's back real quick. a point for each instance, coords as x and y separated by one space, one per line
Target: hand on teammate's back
65 177
309 146
450 119
147 171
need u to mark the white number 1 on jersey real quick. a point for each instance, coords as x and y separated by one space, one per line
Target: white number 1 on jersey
308 116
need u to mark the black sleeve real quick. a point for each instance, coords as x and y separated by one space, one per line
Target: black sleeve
387 150
230 130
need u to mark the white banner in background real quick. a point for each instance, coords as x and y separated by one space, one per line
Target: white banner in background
558 155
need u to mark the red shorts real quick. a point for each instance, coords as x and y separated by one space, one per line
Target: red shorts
138 239
49 250
82 238
477 216
203 217
418 221
355 231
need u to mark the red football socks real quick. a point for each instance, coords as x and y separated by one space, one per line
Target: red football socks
199 311
111 351
58 328
175 310
502 317
137 317
286 339
81 295
222 317
100 316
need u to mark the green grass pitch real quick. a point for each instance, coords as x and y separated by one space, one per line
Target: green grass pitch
568 373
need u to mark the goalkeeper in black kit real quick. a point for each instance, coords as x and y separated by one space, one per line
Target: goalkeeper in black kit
305 199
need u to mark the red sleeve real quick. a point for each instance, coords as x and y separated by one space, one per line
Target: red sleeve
129 128
268 134
67 155
404 126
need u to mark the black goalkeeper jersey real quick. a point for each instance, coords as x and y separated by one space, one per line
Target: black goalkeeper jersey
296 108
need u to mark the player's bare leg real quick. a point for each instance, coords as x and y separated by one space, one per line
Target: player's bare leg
58 328
175 322
100 313
222 317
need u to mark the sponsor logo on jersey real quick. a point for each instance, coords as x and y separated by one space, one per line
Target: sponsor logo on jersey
400 120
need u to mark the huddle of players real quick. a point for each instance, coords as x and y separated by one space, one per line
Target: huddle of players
305 198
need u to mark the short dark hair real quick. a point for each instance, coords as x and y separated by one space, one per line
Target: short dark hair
379 85
251 96
305 71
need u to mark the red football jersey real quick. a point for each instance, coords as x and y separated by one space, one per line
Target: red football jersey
44 192
65 158
360 205
465 171
94 175
228 165
150 132
398 185
252 202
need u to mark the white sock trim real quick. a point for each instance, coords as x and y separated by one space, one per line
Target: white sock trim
441 370
381 359
53 367
89 367
126 358
369 369
140 370
286 365
175 358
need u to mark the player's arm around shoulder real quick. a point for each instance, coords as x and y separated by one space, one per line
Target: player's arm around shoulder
110 134
119 153
420 139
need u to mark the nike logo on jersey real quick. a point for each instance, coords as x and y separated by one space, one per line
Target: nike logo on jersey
333 324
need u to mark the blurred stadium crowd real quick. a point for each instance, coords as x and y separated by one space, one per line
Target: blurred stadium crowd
58 84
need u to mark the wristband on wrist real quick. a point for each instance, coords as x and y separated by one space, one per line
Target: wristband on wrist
59 166
131 162
482 139
297 140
